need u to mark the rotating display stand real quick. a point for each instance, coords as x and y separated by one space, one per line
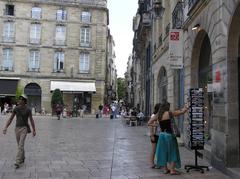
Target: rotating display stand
196 127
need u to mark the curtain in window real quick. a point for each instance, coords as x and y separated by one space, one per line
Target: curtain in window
35 33
34 60
7 59
86 17
84 63
60 35
36 12
85 36
59 61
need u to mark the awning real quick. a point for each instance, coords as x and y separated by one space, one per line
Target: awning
67 86
8 87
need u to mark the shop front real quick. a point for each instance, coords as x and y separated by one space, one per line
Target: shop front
8 87
76 95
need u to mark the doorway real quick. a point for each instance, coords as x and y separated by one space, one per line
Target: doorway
205 79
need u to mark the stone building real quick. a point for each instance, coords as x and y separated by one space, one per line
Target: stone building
210 30
49 44
111 72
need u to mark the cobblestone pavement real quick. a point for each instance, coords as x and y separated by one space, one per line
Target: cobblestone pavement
87 149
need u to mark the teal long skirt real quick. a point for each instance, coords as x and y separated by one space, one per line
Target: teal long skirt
167 150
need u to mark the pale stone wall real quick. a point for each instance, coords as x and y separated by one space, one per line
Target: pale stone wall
47 48
215 20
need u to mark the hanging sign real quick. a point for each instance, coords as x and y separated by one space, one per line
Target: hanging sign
176 49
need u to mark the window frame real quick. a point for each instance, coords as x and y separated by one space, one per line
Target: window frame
84 59
63 15
85 37
86 16
10 35
7 12
34 64
36 39
60 42
57 61
36 16
7 63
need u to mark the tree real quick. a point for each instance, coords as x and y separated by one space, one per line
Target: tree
56 99
121 88
19 92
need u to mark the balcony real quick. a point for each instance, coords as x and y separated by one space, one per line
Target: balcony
146 19
177 16
192 3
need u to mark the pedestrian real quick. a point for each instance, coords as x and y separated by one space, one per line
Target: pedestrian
22 113
167 152
154 133
100 110
58 111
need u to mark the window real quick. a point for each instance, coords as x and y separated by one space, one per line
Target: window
7 63
84 63
86 17
34 60
85 36
36 13
58 62
60 35
9 10
8 32
61 15
35 33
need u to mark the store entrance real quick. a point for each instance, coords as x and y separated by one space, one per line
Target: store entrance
204 80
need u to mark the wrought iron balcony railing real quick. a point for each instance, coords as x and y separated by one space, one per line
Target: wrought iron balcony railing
192 4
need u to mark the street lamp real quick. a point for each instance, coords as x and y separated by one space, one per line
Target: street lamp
158 8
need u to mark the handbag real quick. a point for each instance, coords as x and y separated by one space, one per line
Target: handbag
174 127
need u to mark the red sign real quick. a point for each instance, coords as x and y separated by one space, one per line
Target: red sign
174 35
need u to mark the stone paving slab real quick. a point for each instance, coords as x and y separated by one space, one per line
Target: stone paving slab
87 149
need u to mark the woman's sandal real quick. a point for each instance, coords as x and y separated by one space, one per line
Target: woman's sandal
166 171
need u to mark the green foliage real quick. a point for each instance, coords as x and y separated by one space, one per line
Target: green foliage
121 88
19 92
56 98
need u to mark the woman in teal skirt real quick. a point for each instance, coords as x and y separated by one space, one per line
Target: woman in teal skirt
167 152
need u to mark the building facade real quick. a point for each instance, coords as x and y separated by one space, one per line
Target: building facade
210 32
54 44
111 72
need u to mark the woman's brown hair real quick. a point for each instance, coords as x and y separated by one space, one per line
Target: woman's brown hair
164 107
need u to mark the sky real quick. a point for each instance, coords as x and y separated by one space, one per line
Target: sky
121 13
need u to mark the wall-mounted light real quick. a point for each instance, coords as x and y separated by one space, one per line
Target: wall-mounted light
196 27
158 9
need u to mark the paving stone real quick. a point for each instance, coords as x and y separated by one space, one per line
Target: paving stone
88 149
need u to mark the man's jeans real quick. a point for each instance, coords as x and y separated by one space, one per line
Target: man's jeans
21 133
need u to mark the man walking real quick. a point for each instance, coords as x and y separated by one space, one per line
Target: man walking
22 113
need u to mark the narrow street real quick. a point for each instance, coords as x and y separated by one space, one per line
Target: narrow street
87 149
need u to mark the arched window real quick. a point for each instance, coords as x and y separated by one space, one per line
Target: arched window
162 84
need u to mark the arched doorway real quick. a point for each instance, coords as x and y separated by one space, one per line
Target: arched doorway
34 93
162 85
202 77
233 95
